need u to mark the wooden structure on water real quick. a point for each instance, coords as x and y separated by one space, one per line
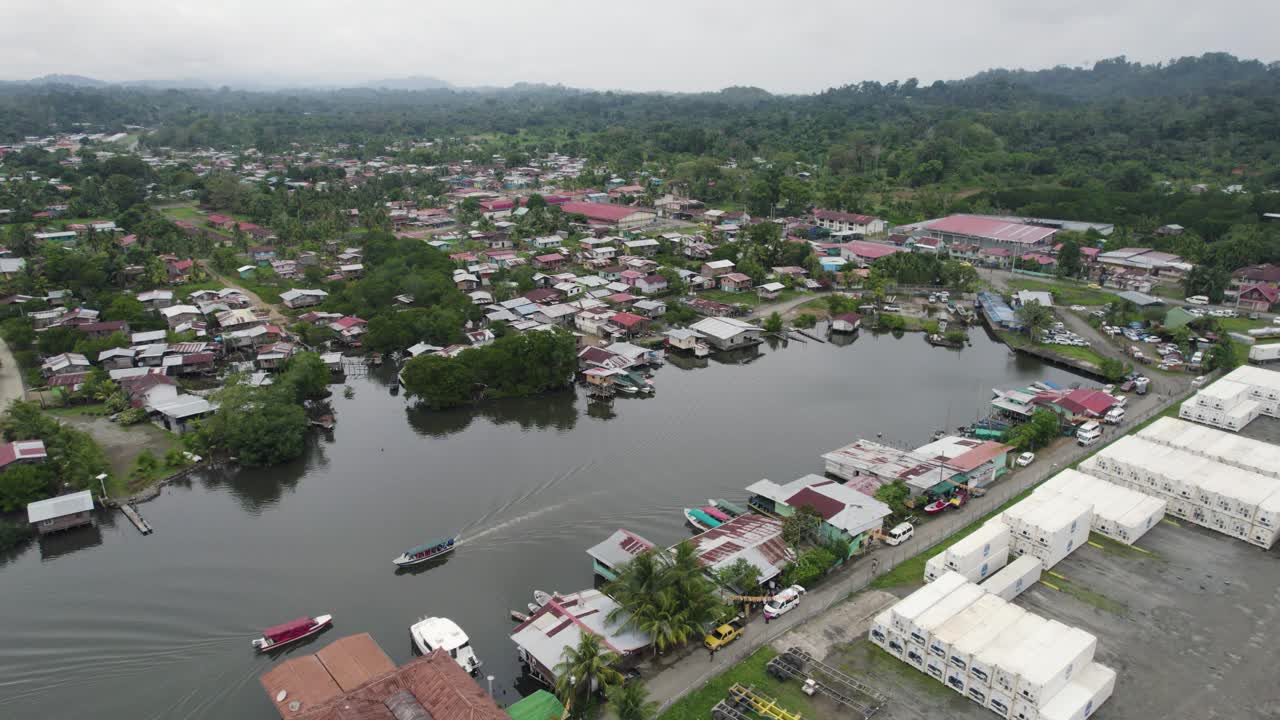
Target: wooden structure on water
138 521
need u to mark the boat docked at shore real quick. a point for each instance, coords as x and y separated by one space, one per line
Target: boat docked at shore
426 551
277 637
700 519
436 633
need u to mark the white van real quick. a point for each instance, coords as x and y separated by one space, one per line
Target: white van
784 602
1115 416
1089 433
900 533
1198 300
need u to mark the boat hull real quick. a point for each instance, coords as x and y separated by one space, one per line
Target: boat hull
322 623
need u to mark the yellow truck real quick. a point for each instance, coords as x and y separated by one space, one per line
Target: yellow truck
724 634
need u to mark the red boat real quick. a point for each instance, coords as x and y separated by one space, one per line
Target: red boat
936 507
290 632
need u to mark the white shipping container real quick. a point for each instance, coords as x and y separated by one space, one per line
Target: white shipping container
1010 665
1024 710
962 650
1082 696
934 567
1137 521
1222 394
1268 512
923 627
1061 661
895 644
910 607
977 693
956 680
1000 703
880 628
985 567
935 668
982 665
983 610
913 655
980 544
1263 536
1010 582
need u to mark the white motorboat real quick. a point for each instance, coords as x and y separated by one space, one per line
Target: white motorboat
435 633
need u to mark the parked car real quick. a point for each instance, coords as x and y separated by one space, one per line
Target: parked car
1025 459
1089 433
1078 308
900 533
724 634
1198 381
1114 416
1198 300
783 602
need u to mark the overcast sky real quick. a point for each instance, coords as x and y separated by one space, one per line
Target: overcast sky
780 45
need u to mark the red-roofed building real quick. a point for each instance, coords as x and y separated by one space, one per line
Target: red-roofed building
629 325
735 282
988 232
552 261
1092 403
995 257
128 241
105 328
1040 262
864 253
755 538
22 451
617 216
180 270
1258 298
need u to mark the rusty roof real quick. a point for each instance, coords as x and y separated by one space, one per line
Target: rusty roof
354 660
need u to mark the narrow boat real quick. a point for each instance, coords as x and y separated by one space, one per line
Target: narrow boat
542 598
717 513
729 508
699 519
436 633
426 551
277 637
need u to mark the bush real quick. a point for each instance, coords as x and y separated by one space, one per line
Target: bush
805 321
13 534
133 416
175 458
809 567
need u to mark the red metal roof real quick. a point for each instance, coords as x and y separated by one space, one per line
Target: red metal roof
977 456
825 506
1092 402
838 216
992 229
1267 292
628 320
870 250
600 211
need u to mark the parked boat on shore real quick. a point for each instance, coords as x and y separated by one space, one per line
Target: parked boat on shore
699 519
436 633
426 551
728 508
277 637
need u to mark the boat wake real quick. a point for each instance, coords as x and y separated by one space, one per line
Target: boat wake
513 521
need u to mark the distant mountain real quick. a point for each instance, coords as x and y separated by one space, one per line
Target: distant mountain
413 82
63 79
177 84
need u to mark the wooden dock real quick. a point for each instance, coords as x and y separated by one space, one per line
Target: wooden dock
132 513
808 335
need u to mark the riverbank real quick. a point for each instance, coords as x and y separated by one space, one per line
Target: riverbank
885 567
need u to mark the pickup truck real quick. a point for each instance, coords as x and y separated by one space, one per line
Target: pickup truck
724 634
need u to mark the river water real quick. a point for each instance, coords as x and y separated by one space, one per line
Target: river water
108 624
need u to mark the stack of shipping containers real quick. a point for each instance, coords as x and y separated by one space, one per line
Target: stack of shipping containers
1120 513
979 554
1013 662
1048 528
1236 400
1228 498
1014 578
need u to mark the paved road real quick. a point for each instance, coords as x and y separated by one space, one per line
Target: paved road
669 680
11 387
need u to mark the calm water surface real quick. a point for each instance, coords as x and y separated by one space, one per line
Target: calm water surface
108 624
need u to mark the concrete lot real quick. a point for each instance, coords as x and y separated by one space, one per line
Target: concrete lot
1190 626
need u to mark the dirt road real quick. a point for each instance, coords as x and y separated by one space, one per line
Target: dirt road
277 317
11 387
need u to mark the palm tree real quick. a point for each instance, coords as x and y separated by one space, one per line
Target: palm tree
631 702
1035 317
665 619
584 668
637 584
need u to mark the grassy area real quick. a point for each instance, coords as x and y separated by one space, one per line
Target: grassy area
697 705
1083 594
1074 352
1065 293
186 212
92 410
1241 324
746 298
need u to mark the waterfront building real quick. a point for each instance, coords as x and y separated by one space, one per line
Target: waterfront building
620 548
61 513
847 514
751 537
542 638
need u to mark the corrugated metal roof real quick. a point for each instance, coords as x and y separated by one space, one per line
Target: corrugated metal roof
619 548
60 506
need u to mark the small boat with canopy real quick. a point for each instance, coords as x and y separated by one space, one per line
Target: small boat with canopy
426 551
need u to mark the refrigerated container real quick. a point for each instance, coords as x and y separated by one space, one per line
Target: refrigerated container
934 567
910 607
1017 576
983 664
984 568
956 680
962 650
1059 522
935 667
1263 536
1138 520
923 627
1010 665
1081 697
1057 664
1000 703
988 540
913 654
880 628
1268 513
1222 395
983 610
